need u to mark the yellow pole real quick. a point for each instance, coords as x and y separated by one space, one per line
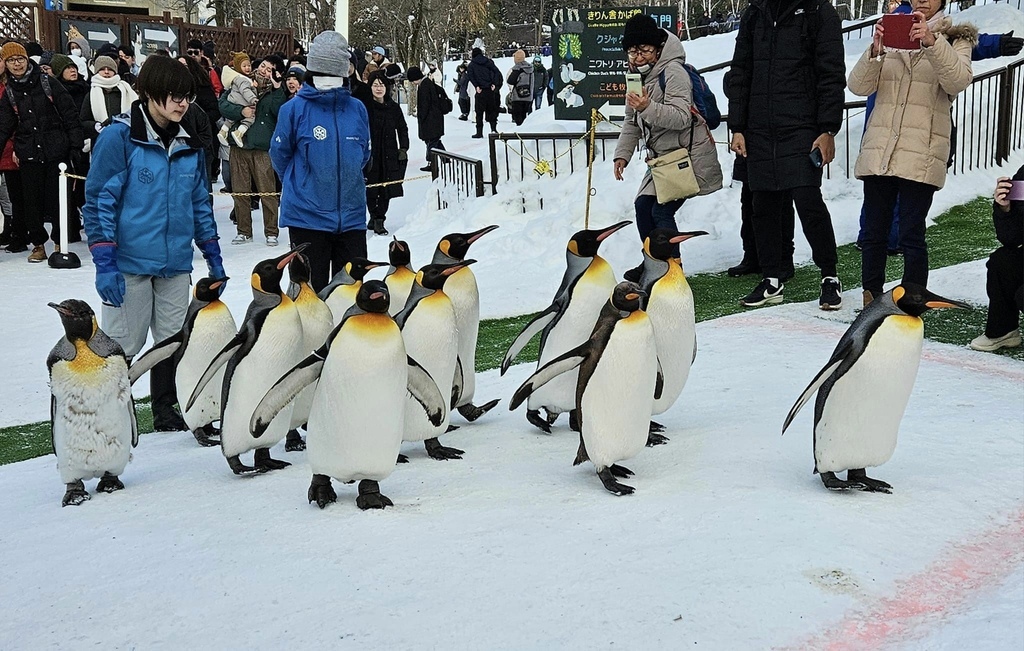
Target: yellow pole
590 166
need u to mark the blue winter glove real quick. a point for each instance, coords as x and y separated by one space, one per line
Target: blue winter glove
211 251
109 281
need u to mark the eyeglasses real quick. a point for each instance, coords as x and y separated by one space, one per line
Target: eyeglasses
193 52
646 50
178 99
17 59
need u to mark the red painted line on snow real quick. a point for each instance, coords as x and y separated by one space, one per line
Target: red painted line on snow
930 597
965 359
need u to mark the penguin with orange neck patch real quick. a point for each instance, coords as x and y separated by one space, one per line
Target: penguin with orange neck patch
400 275
268 344
864 388
567 323
92 416
208 327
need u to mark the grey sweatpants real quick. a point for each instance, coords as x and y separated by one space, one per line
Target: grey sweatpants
150 303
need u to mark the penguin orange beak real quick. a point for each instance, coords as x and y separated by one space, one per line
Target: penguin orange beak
374 265
938 303
611 229
283 261
473 237
682 237
457 267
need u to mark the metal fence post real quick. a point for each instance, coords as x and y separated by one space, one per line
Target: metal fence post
1003 118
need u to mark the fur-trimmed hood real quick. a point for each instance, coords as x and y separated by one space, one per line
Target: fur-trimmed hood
953 32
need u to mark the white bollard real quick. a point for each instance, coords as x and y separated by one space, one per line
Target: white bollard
65 259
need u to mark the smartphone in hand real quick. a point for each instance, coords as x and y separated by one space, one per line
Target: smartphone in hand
1016 191
634 84
897 32
816 158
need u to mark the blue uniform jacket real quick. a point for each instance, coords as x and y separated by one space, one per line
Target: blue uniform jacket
149 200
319 149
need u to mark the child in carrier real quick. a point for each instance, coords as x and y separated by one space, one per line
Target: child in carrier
242 92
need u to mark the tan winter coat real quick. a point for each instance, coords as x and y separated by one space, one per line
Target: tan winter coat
665 123
908 132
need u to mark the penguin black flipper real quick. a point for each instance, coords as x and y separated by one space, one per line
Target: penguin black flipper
457 383
220 360
158 353
285 389
424 390
53 414
134 420
537 324
842 352
561 364
659 382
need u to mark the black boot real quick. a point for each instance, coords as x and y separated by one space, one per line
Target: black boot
744 268
494 126
479 131
164 396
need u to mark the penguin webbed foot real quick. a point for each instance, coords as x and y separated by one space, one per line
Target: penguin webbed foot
109 484
612 486
620 471
263 461
240 468
321 491
294 442
653 438
535 419
207 435
370 497
552 416
75 494
858 478
437 451
656 427
471 412
834 483
402 459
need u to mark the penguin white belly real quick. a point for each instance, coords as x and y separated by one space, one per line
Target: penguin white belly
589 295
670 309
862 413
399 285
616 404
358 412
277 350
431 340
342 298
462 289
214 327
92 429
317 323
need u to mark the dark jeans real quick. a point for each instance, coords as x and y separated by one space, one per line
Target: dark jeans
15 226
894 232
650 215
328 252
519 112
880 195
1005 277
433 144
377 202
775 241
486 105
747 226
39 194
464 105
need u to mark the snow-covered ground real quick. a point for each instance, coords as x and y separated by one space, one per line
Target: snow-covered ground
729 542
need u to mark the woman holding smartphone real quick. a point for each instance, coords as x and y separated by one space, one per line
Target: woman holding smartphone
906 143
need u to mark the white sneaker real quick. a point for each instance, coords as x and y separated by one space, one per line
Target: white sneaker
222 136
241 239
238 134
271 240
1010 340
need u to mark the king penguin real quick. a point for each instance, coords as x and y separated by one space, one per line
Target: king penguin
92 416
340 293
358 410
208 327
462 289
317 323
669 305
618 382
567 322
864 388
268 344
400 275
428 328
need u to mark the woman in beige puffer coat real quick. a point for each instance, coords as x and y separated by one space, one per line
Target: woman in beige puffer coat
906 144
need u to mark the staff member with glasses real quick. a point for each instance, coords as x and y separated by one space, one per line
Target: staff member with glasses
145 203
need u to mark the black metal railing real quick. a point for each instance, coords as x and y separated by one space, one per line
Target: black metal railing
461 177
564 153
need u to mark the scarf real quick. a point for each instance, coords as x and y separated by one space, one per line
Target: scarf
96 94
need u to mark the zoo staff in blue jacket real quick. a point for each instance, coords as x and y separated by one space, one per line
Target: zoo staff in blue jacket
319 149
145 203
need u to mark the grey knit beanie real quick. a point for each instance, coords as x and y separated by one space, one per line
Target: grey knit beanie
328 55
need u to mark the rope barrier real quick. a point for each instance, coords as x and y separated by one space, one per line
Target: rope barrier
278 194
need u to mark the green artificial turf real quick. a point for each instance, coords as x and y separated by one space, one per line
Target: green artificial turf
961 234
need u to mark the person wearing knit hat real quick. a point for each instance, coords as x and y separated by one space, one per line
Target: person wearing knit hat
44 61
661 116
109 95
61 62
12 49
319 150
80 53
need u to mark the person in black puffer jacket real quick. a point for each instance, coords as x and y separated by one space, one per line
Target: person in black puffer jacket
786 93
206 99
40 115
64 69
486 80
389 149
